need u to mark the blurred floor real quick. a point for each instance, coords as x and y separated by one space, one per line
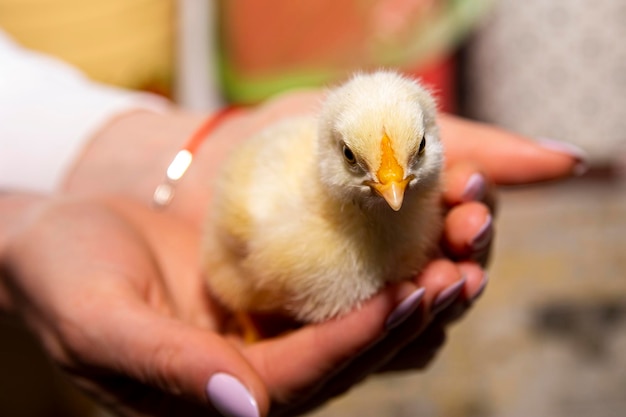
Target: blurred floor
546 339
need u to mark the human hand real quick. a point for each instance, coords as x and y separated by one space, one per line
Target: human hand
130 157
114 293
472 150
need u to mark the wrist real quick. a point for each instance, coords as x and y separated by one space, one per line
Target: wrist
129 156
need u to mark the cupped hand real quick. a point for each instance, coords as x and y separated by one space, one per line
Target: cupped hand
130 155
158 291
478 157
114 293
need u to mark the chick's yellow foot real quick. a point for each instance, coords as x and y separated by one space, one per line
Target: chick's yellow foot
247 327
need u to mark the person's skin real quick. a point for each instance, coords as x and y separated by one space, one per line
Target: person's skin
114 292
142 145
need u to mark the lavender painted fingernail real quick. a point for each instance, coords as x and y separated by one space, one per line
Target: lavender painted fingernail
563 147
482 287
230 397
404 310
580 169
483 237
569 149
475 188
447 296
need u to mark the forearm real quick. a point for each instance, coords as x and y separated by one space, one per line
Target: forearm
49 110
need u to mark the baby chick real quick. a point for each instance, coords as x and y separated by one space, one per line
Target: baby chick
314 215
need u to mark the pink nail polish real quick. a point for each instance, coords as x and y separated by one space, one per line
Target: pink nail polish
404 310
448 295
483 237
230 397
482 287
569 149
475 188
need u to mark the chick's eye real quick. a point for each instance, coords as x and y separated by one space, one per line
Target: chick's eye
349 155
422 145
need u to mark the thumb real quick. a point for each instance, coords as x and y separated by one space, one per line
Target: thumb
95 300
184 363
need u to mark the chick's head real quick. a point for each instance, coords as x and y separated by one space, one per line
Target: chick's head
378 139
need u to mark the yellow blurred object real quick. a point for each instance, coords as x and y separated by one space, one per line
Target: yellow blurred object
128 43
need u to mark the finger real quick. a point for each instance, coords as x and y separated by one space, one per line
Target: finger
465 182
506 157
477 280
468 232
308 356
181 362
421 351
436 278
92 307
443 281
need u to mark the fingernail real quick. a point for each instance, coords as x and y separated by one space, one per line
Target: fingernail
475 188
482 287
483 237
447 296
230 397
404 310
569 149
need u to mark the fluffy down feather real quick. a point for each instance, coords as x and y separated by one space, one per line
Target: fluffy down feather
306 219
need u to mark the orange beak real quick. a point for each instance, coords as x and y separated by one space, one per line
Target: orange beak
391 183
392 192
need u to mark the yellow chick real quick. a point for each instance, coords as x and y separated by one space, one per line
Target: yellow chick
314 215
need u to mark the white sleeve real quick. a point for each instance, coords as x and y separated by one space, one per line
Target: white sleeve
48 111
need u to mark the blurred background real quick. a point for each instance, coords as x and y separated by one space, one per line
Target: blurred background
549 335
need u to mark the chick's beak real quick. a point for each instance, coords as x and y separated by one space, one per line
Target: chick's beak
392 192
391 183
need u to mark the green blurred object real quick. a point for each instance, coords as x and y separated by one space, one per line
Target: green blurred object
268 47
